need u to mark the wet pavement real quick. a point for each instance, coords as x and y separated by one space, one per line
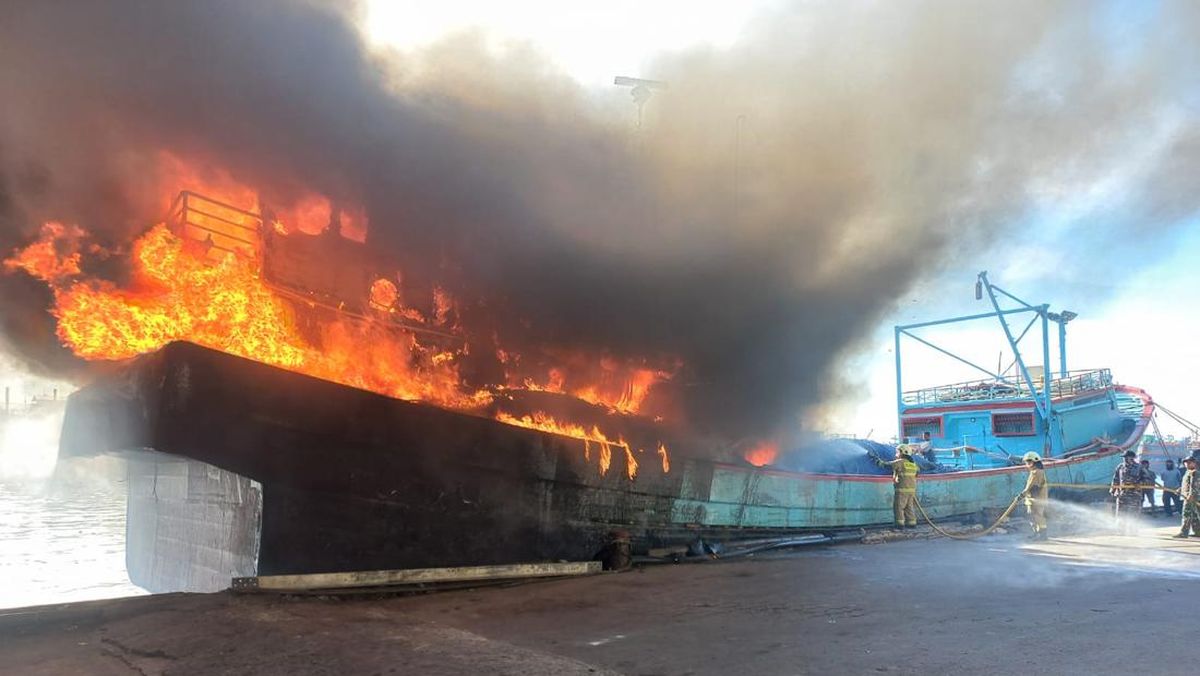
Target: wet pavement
997 605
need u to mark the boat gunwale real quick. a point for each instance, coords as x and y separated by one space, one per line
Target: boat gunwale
1134 437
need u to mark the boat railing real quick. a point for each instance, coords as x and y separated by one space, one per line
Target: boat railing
1073 383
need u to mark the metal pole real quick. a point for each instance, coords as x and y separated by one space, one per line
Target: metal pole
967 318
1062 348
1047 376
899 391
1012 344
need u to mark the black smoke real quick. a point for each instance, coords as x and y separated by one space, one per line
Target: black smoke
781 196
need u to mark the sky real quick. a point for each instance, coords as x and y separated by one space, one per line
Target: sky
593 41
1134 316
1070 249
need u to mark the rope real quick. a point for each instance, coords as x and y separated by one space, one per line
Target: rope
1159 435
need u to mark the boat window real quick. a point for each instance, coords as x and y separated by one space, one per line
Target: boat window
917 427
1012 424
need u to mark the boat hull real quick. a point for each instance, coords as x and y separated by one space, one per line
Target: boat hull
762 498
335 479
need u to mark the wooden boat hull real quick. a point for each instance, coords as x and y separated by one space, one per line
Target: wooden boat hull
330 478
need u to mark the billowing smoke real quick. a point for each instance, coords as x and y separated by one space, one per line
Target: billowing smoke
779 198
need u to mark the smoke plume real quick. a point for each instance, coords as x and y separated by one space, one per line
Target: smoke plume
779 197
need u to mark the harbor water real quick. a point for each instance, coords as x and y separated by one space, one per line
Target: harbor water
62 523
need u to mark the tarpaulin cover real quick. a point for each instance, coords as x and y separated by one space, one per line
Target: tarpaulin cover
848 456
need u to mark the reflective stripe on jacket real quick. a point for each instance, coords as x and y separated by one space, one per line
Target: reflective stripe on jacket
904 474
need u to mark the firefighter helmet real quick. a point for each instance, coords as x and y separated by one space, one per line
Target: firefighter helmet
904 449
1032 457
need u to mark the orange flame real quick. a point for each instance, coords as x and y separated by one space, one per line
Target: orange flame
311 215
224 305
631 464
625 391
42 259
762 454
213 294
546 423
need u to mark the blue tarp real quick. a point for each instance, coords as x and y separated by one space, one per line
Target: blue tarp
847 456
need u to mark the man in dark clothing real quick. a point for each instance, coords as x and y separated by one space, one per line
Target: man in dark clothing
1189 492
1127 490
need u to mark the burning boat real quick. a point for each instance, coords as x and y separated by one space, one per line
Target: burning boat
251 452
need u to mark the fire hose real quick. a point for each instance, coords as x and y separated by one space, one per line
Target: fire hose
1013 505
973 534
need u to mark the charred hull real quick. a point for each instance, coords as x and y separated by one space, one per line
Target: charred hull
352 480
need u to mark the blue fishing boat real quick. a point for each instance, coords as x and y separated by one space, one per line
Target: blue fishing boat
971 435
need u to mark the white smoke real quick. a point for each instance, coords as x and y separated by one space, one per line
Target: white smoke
29 445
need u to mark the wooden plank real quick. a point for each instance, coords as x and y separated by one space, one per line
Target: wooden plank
385 578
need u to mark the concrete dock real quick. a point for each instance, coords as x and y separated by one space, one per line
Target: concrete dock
997 605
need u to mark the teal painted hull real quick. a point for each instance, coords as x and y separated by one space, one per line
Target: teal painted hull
741 497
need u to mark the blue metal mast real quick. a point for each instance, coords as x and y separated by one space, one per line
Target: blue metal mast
1040 396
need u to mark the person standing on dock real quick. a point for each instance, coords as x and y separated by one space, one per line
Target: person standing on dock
1189 494
1148 479
1171 479
904 479
1036 493
1127 490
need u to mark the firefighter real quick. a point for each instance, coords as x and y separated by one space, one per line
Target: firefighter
1189 494
1036 493
904 478
1127 490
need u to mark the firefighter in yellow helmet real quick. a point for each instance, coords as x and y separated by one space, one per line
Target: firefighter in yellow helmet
904 478
1036 493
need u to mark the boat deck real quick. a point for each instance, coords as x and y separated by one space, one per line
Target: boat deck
1010 388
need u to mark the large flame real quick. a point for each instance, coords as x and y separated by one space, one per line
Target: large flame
224 305
53 257
185 288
